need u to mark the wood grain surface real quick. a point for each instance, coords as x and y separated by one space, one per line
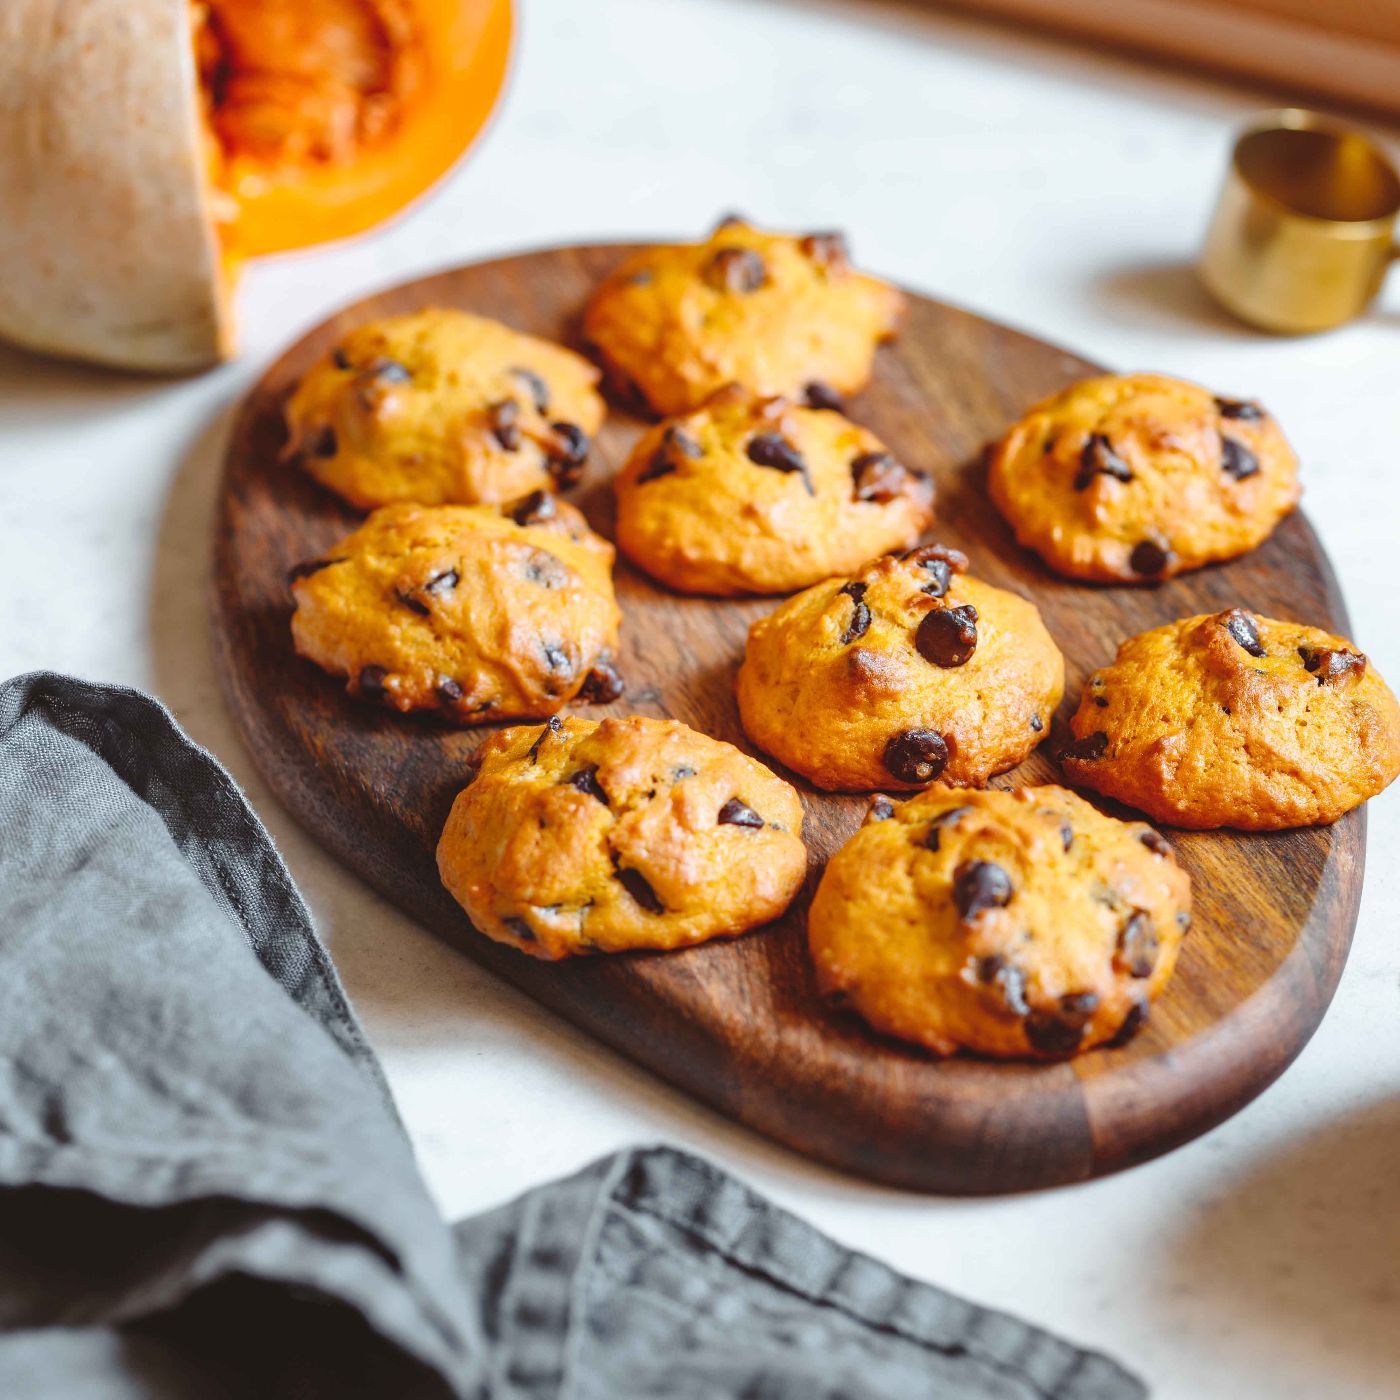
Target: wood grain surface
738 1024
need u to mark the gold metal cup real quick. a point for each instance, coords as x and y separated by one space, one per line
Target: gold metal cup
1305 227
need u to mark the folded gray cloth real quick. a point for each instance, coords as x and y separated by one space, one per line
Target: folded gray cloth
205 1191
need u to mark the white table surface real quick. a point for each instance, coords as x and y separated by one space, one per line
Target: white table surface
1057 190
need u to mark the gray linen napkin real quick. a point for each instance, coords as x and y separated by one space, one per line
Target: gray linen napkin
205 1191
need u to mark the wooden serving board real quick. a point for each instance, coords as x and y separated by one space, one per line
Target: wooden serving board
738 1024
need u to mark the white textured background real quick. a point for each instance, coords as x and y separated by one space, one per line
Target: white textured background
1057 190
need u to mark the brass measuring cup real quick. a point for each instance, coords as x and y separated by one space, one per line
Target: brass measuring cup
1304 230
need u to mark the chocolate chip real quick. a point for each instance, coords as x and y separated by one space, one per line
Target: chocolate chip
520 929
386 370
737 813
534 508
676 438
738 270
552 726
442 583
1133 1022
1037 723
502 417
949 818
1244 628
947 637
557 659
940 563
602 685
660 465
586 781
413 603
826 249
339 358
539 390
1060 1032
1089 747
1332 664
860 612
1008 978
371 683
979 885
635 883
449 691
916 755
1183 919
1239 409
1099 459
1155 842
1237 459
1138 946
821 395
1066 834
545 569
775 451
324 444
1101 701
565 459
309 567
881 809
878 477
1149 558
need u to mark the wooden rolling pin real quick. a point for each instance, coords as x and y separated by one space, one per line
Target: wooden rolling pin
1345 50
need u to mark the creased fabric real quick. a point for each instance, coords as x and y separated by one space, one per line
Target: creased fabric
205 1190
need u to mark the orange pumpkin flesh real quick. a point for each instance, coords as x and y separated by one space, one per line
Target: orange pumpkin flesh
324 117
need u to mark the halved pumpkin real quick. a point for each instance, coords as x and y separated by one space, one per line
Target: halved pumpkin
147 147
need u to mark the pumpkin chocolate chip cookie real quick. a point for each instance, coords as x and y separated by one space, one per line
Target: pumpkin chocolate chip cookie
907 672
474 613
1236 720
443 407
1132 478
754 495
776 313
585 837
1015 924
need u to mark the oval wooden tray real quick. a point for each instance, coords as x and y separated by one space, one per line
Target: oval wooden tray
738 1023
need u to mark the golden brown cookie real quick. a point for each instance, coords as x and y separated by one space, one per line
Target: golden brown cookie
750 495
908 672
775 313
443 407
584 837
475 613
1236 720
1007 923
1129 478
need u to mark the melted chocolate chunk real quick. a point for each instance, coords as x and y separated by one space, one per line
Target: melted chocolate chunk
539 390
1059 1032
1332 665
502 418
1138 946
860 612
940 563
1066 835
827 249
586 781
1099 459
737 270
1155 842
1008 978
545 569
881 809
442 583
737 813
1244 628
819 394
775 451
413 603
1089 747
371 683
1236 459
449 691
1149 558
979 885
339 358
660 465
538 506
1239 409
916 755
943 819
557 659
1133 1022
603 684
520 929
564 460
877 477
947 637
324 444
552 726
635 883
1037 723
